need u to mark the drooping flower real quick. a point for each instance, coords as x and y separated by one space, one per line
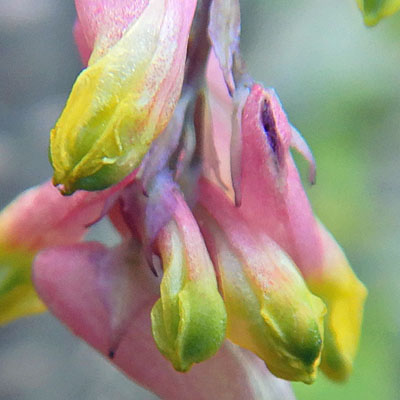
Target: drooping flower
232 275
274 202
67 278
270 309
189 319
40 217
125 97
289 221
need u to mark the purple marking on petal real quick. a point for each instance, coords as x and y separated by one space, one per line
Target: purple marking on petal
144 215
269 125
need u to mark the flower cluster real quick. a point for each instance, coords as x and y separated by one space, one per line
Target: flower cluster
221 257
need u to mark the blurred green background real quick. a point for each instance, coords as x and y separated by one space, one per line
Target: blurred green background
340 85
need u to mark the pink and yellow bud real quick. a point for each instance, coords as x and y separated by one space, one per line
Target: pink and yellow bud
125 97
270 309
189 319
274 202
39 218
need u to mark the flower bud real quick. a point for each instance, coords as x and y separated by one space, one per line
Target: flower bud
374 10
270 309
124 99
270 180
189 319
40 217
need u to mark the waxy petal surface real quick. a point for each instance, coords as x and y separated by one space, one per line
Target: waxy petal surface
67 280
270 310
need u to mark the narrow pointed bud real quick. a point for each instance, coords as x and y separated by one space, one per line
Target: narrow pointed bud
124 99
270 309
189 319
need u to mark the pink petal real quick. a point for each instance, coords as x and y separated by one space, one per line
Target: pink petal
67 280
270 181
123 281
106 19
84 49
220 127
42 217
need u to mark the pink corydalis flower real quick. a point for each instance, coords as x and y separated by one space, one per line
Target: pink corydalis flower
189 319
119 302
274 202
36 219
270 309
269 173
126 96
233 276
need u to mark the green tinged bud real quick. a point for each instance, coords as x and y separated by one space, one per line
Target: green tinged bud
271 312
122 101
189 319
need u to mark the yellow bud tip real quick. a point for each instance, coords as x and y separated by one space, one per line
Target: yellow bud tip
337 285
343 327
